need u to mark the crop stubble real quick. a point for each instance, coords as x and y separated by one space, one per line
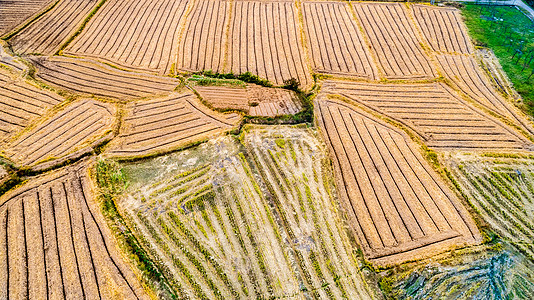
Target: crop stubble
55 244
140 35
399 208
14 13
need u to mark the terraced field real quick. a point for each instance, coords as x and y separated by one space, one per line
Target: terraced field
253 100
70 133
247 223
467 76
337 47
440 117
265 39
394 40
443 29
160 125
91 78
21 103
54 243
399 208
502 190
204 41
14 13
139 35
50 31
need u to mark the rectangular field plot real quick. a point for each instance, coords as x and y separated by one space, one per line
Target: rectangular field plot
160 125
443 28
468 77
54 243
252 99
46 34
440 117
91 78
203 43
399 207
394 40
502 189
221 224
133 34
265 40
335 42
21 103
15 13
77 128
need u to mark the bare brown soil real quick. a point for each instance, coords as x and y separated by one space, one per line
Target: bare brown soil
54 243
74 130
13 13
21 103
443 28
436 113
203 43
160 125
50 31
399 208
134 34
335 42
254 100
91 78
265 39
394 40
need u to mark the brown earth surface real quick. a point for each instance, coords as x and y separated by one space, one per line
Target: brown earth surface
70 133
55 244
394 40
91 78
161 125
443 29
436 113
253 100
14 13
399 208
335 42
46 34
204 41
140 35
21 103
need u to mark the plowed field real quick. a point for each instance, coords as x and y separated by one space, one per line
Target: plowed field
88 77
133 34
160 125
54 243
399 208
436 113
14 13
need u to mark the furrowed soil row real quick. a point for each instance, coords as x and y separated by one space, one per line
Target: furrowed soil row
436 113
46 34
468 77
21 103
140 35
88 77
204 40
409 212
264 39
500 190
394 41
234 234
253 100
77 128
443 29
15 13
164 124
336 44
58 245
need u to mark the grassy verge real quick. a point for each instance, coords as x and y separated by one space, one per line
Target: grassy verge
112 182
494 28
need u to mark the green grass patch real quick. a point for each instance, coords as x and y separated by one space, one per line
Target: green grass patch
495 30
